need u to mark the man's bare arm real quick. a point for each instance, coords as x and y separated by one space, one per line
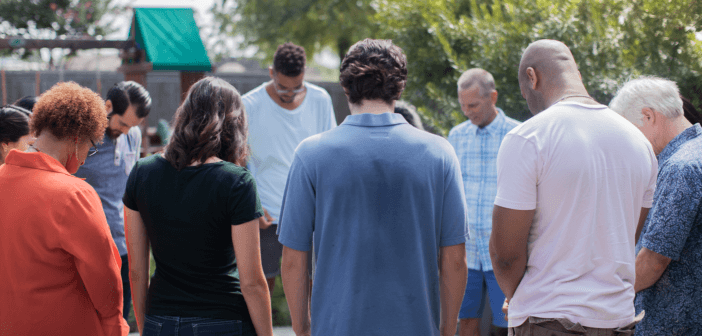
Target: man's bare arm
649 268
508 246
639 226
453 272
296 285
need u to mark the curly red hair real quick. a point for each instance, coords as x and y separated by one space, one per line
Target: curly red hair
69 110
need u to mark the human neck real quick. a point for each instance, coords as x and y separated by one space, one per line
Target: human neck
372 106
672 129
568 90
50 145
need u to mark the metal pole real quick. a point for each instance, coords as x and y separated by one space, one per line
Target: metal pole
4 87
37 83
62 60
97 73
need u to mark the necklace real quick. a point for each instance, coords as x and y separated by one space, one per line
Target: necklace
572 96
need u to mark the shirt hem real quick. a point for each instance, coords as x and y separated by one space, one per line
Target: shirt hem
591 323
294 245
514 205
454 241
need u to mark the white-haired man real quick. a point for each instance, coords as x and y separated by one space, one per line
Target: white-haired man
669 249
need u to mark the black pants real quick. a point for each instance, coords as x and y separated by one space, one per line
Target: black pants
126 290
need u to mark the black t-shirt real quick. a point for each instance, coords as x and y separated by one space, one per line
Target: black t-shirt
188 216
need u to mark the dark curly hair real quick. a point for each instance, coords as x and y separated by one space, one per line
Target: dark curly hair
210 122
289 60
14 123
690 111
69 110
26 102
128 93
373 69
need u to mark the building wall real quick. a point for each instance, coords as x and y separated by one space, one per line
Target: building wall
164 88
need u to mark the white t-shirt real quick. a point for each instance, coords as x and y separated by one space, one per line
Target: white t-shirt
275 132
587 172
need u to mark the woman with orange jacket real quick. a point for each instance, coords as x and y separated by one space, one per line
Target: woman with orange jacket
59 268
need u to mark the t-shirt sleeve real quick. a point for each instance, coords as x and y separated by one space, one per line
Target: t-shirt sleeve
651 186
129 198
673 213
454 218
332 117
298 210
517 173
244 204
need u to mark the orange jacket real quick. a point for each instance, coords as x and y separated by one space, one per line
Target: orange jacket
59 268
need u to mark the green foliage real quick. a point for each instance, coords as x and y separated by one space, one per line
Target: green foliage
313 24
611 40
49 19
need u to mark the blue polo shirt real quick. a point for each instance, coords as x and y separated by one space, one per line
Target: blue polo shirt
107 172
381 198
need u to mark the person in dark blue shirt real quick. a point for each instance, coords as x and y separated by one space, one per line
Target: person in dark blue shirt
669 249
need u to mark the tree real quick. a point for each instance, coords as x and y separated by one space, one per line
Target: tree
611 40
49 19
313 24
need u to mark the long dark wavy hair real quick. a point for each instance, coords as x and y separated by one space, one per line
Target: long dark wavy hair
210 122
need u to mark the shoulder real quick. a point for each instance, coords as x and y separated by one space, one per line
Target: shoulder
685 166
134 133
511 123
254 95
233 174
317 92
461 128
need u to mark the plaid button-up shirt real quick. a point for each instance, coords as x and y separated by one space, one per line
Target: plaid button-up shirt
476 149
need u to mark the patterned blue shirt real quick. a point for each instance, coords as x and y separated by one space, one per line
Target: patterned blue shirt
673 228
107 172
476 149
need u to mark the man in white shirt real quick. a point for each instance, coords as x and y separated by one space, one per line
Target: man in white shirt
574 186
281 113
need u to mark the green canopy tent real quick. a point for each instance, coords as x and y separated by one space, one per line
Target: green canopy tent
165 39
170 38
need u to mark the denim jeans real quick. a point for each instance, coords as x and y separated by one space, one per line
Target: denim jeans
194 326
126 289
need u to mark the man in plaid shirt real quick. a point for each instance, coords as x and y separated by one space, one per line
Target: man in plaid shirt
476 142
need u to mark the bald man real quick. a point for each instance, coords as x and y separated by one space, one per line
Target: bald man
574 185
476 142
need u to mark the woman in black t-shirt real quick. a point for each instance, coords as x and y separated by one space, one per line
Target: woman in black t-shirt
197 208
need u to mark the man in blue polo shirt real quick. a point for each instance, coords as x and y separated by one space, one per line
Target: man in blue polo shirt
385 206
127 104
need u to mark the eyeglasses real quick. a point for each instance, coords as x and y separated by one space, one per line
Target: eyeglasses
93 150
279 91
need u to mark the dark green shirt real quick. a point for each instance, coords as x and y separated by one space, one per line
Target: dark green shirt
188 216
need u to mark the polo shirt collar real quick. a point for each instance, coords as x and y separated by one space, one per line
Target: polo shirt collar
672 147
375 120
35 160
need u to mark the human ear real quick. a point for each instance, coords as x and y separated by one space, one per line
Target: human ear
531 75
271 73
648 116
493 97
108 106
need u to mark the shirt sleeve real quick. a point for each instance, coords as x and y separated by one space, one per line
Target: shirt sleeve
332 117
244 204
673 213
651 187
298 210
454 215
129 198
516 174
86 236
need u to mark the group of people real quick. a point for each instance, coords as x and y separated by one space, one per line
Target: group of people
583 220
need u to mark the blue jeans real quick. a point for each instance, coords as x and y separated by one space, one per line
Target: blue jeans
194 326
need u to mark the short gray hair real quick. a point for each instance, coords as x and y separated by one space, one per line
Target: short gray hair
656 93
484 79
